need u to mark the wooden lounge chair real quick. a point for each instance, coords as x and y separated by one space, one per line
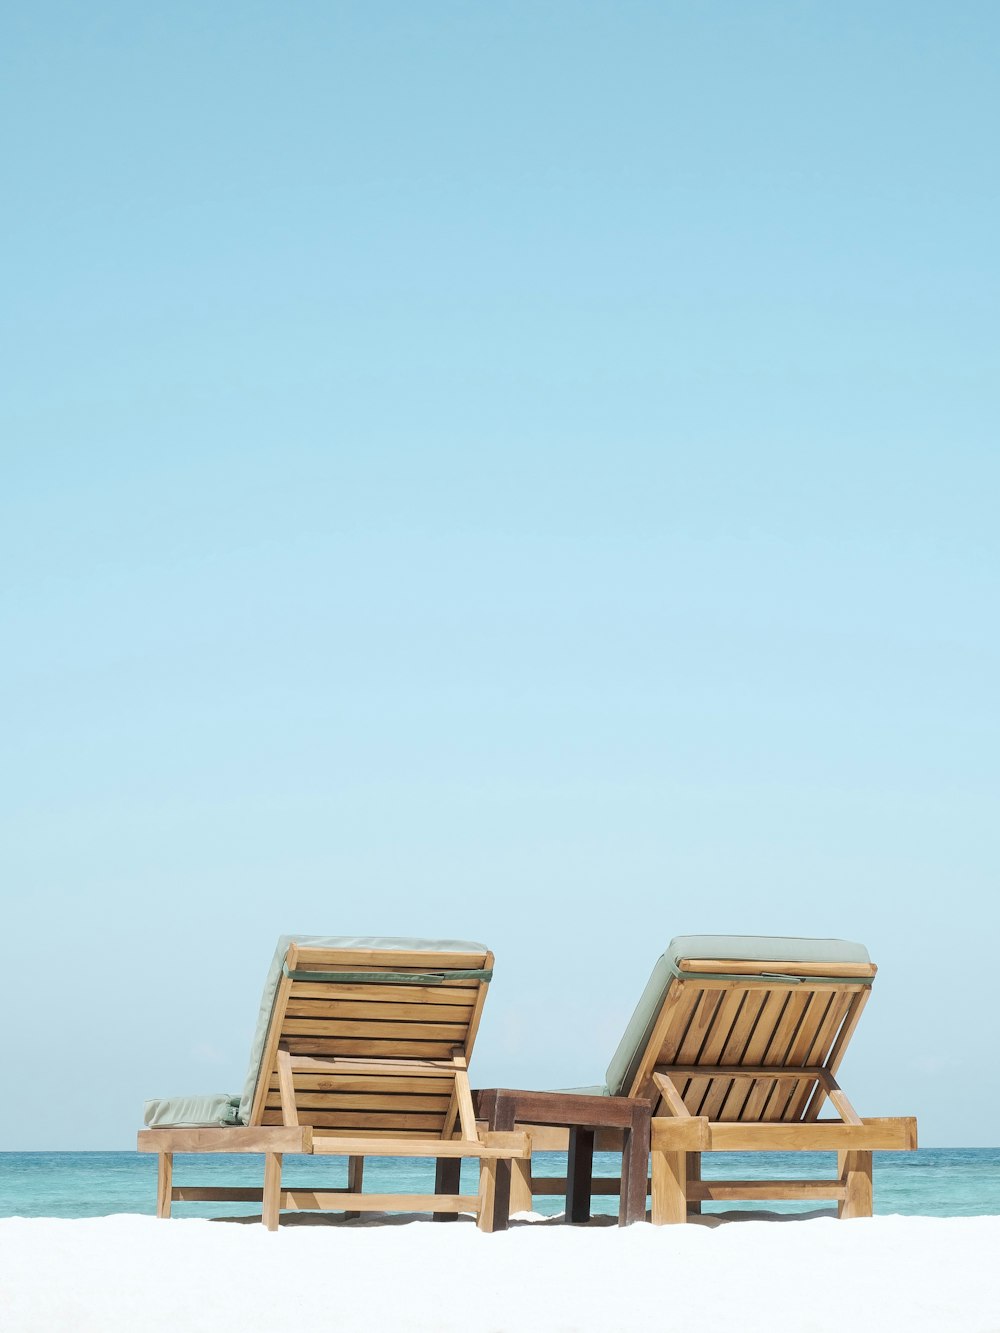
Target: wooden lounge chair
736 1042
361 1047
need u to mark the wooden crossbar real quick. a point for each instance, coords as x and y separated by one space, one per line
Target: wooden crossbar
725 1190
556 1185
232 1139
885 1135
754 967
380 1203
426 1068
499 1145
792 1072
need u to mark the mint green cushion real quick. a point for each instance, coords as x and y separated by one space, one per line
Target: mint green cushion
759 948
213 1108
327 942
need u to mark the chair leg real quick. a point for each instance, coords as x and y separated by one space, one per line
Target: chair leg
855 1171
272 1190
164 1183
355 1179
669 1187
694 1173
502 1118
521 1200
447 1180
579 1174
487 1193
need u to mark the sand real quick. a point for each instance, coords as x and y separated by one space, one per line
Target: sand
139 1275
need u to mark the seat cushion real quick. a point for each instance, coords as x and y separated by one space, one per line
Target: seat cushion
210 1108
759 948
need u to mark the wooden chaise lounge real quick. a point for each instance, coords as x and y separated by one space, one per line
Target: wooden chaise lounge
736 1042
361 1048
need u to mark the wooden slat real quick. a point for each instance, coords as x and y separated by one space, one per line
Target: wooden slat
380 1203
817 1055
769 983
786 1098
286 1091
725 1017
310 959
757 1050
551 1186
371 1135
474 1021
812 1022
451 980
238 1138
689 1047
850 1022
217 1194
459 994
723 1092
362 1121
355 1085
778 1048
360 1067
500 1145
370 1028
722 1190
379 1012
430 1050
791 1074
675 1014
353 1101
697 1032
847 1031
751 966
888 1135
270 1051
772 1004
827 1034
352 1084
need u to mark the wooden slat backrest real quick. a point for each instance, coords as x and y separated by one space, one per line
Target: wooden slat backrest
758 1022
388 1027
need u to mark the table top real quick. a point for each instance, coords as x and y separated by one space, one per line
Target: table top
565 1108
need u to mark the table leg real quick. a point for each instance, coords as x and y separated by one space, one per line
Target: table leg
447 1180
694 1173
579 1174
635 1165
521 1200
502 1119
355 1179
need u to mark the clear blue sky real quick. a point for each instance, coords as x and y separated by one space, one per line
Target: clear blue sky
517 471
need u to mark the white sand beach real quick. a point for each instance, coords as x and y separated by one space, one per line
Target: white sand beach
132 1273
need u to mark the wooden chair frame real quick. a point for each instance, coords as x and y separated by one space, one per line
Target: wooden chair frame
295 1125
744 1060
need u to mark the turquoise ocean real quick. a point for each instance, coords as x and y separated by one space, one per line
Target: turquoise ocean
938 1182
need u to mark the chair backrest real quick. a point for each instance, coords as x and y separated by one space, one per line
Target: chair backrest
737 1008
387 1023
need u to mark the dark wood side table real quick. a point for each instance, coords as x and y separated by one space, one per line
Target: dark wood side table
506 1108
